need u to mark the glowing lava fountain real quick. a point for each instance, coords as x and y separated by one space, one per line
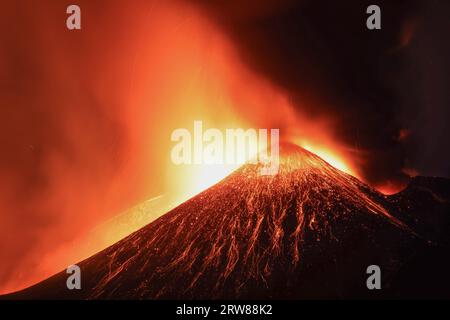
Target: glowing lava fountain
305 232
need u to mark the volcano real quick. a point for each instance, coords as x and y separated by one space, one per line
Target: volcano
310 231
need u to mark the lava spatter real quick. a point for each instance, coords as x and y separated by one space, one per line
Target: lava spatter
310 231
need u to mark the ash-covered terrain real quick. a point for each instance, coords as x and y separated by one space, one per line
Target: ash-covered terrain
309 232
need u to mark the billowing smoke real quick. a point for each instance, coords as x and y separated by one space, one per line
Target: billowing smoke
375 85
86 115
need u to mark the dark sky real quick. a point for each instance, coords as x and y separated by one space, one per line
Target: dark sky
85 116
388 88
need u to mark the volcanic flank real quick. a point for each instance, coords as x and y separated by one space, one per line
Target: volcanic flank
309 232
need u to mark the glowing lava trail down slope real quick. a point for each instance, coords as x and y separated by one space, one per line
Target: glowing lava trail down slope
310 231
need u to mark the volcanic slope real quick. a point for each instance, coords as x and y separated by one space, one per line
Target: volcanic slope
310 231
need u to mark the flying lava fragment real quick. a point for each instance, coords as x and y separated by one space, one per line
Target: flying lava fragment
303 233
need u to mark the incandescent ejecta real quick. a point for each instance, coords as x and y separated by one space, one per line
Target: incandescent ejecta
308 232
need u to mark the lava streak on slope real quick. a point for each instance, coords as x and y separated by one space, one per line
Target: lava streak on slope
309 231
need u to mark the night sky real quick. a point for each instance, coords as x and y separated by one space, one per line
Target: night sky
85 117
388 88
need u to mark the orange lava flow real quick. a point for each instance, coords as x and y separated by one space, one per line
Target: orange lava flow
155 69
241 231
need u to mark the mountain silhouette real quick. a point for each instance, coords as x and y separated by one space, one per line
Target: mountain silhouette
310 231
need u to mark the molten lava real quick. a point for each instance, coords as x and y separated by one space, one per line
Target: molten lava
302 233
137 73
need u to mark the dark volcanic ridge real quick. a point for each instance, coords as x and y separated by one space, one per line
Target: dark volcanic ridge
309 232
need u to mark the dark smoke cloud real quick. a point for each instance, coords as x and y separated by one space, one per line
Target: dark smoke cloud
67 141
377 84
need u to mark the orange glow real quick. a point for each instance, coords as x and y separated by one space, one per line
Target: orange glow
332 153
390 188
330 157
198 178
172 67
